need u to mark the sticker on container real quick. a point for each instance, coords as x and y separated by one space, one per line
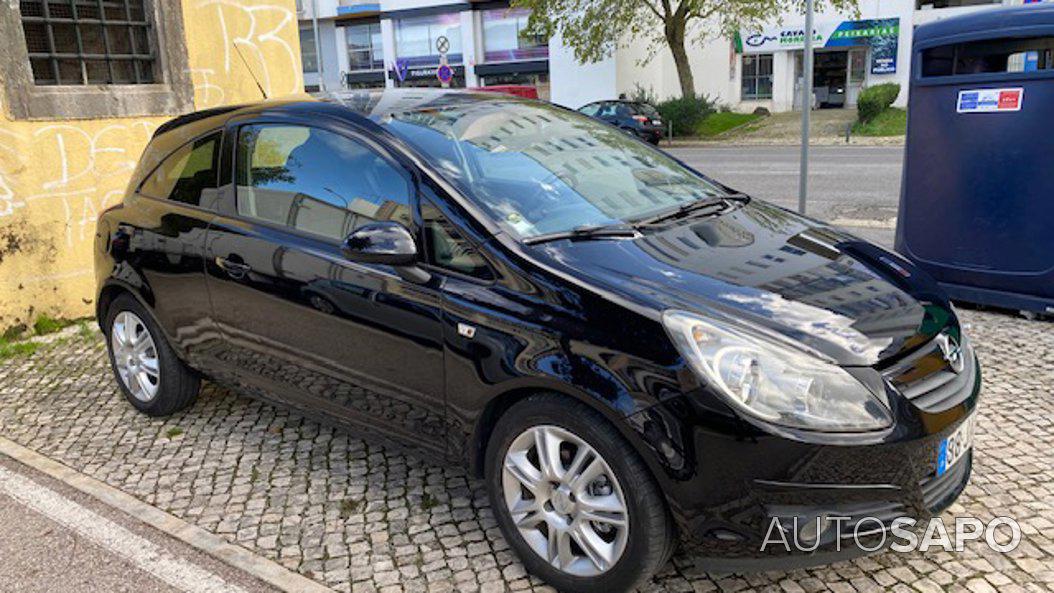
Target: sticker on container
990 100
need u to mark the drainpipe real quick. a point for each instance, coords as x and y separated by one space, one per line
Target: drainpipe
318 46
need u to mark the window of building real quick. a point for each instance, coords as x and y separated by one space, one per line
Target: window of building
757 76
365 49
308 50
183 175
316 181
446 247
989 56
415 38
81 43
63 57
507 38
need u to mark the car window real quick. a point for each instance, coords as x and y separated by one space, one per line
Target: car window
623 110
606 110
317 181
590 109
645 109
185 173
447 248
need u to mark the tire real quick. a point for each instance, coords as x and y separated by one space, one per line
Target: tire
645 546
172 387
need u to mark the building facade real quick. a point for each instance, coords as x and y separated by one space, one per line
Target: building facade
392 43
85 85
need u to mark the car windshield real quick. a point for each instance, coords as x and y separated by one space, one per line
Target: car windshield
645 109
538 169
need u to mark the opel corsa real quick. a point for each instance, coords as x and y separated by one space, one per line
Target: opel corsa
630 354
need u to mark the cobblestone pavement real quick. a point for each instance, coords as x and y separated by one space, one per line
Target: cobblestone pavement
360 517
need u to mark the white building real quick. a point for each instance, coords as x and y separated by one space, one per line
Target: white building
367 44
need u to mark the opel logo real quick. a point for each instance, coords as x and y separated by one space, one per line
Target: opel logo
952 352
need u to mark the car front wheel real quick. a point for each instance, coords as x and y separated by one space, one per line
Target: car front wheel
574 499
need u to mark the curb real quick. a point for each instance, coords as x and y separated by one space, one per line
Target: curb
263 569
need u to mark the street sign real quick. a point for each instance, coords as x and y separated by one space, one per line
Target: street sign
445 73
442 45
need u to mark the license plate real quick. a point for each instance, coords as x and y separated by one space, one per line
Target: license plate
955 446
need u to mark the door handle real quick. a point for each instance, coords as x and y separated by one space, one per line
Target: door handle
234 269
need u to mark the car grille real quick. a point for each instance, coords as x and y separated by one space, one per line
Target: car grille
929 381
938 492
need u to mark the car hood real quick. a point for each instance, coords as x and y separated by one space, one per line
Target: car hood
764 266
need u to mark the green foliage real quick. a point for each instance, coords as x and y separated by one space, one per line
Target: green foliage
173 432
891 122
723 121
48 325
643 95
876 99
13 333
17 349
686 113
593 29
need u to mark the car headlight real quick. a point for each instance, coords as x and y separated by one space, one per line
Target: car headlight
774 382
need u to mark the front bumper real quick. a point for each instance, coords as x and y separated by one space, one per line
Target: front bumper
727 480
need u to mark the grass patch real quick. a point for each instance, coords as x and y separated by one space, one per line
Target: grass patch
348 506
891 122
173 432
17 349
721 122
13 333
428 502
46 324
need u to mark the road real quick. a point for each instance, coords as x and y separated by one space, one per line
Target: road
847 183
53 538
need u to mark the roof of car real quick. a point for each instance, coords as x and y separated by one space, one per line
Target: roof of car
368 104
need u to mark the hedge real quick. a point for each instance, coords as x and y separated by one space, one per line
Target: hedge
876 99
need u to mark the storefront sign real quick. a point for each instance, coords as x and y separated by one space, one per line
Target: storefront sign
990 100
882 35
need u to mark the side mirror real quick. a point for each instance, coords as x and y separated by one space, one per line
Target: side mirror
386 242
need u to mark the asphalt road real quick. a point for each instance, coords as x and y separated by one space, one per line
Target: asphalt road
53 538
847 183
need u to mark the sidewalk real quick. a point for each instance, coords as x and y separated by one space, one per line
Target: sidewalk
357 516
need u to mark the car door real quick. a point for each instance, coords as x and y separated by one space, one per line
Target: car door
158 245
349 341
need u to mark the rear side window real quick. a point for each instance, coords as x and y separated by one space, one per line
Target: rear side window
317 181
590 109
1029 54
183 175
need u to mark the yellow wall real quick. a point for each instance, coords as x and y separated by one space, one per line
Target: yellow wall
56 176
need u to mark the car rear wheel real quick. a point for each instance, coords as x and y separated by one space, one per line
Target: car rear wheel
148 372
574 499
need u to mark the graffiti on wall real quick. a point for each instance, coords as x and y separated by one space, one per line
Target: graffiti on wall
57 176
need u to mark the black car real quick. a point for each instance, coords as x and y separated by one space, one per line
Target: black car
630 354
640 119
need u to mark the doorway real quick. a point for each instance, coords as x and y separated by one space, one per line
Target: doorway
838 77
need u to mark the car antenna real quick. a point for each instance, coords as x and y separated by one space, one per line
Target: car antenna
258 85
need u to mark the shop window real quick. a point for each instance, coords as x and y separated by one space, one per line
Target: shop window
365 50
506 36
415 38
65 55
308 50
989 56
757 76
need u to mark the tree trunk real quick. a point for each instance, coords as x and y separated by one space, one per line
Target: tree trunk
675 28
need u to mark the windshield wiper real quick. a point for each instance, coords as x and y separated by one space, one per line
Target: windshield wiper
691 208
584 232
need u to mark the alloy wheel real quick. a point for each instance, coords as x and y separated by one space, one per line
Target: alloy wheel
135 356
565 501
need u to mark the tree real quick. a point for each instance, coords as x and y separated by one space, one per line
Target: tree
594 28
